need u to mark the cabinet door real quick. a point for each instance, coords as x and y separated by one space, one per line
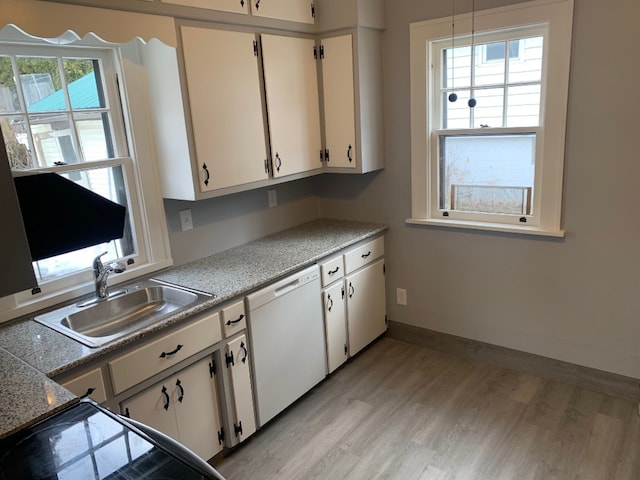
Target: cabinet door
195 401
226 107
245 422
366 305
291 86
339 101
154 407
234 6
292 10
335 324
89 384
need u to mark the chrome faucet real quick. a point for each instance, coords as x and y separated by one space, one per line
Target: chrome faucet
102 272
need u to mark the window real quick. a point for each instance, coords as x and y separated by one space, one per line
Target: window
488 118
59 111
64 109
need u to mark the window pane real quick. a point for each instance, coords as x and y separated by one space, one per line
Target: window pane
487 173
456 114
41 85
488 72
528 66
14 132
9 101
84 91
108 182
489 108
93 140
457 67
523 106
52 139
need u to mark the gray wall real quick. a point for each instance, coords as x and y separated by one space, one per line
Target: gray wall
225 222
575 299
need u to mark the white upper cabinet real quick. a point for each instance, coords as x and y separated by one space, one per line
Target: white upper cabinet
352 97
233 6
339 101
291 85
293 10
223 84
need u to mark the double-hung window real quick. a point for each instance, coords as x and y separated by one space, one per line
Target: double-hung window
488 100
64 110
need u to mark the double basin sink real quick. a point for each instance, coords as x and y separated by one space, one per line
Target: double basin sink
96 322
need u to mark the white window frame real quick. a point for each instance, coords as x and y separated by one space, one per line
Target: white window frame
557 16
148 220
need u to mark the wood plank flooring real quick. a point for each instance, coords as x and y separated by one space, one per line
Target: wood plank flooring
401 411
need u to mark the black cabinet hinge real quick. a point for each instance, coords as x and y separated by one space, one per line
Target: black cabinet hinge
212 368
321 52
220 436
343 293
229 359
313 10
384 268
321 156
327 157
238 428
266 166
346 349
315 52
255 48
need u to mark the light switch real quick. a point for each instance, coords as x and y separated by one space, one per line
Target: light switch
186 221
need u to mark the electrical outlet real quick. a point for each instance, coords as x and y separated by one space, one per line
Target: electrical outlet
186 221
401 296
273 198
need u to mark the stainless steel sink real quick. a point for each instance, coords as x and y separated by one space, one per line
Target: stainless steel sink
97 322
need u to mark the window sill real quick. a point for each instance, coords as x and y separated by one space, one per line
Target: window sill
491 227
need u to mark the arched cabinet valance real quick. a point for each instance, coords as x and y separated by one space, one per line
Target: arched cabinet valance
64 24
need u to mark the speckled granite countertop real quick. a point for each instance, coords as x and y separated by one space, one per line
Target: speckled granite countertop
27 395
225 275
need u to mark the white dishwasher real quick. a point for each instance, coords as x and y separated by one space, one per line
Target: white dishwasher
287 336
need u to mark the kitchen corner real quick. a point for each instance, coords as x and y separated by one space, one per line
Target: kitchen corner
32 354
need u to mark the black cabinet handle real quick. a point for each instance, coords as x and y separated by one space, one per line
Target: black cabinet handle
127 413
181 388
365 255
90 390
278 162
329 303
232 322
168 354
207 175
245 353
257 4
333 272
351 290
165 396
242 3
349 154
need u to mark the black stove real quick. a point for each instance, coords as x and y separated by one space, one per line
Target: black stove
88 442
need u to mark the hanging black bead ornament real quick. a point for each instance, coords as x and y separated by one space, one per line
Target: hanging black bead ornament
453 97
472 102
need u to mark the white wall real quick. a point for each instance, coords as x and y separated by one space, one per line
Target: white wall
575 299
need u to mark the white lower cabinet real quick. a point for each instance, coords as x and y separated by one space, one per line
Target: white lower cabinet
335 326
242 421
183 406
89 384
366 305
354 300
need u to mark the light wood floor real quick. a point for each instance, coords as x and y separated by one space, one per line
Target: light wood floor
399 411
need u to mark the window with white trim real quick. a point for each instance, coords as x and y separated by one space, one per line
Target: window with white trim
64 109
489 96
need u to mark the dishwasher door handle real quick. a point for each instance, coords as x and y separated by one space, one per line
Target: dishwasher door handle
287 288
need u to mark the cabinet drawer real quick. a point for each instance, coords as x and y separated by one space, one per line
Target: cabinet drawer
233 319
90 381
154 357
360 256
332 270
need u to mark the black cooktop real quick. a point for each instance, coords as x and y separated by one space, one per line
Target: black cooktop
86 442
